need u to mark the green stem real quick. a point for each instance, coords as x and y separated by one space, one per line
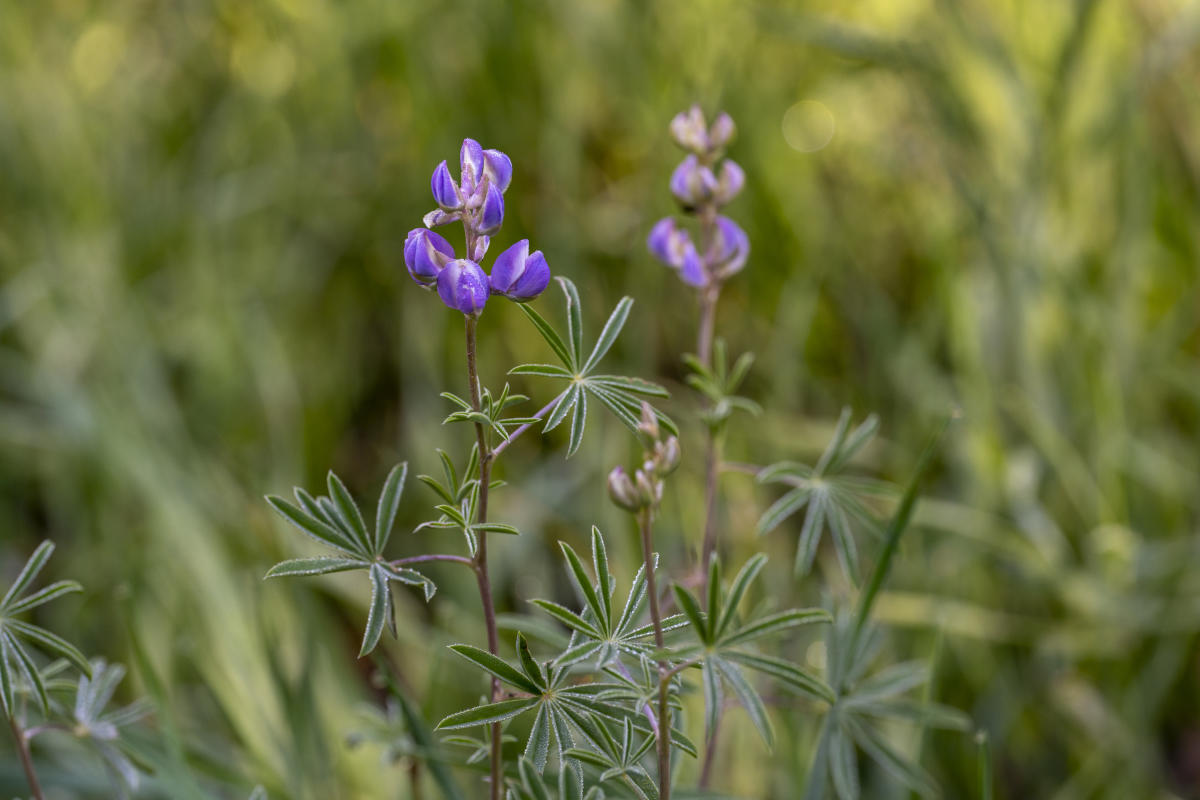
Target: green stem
481 559
646 527
26 759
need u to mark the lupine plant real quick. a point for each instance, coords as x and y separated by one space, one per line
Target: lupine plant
610 712
38 696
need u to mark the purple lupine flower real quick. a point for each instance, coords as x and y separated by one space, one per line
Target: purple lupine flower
463 286
730 248
498 169
730 181
472 161
491 215
693 183
673 246
425 254
445 191
520 275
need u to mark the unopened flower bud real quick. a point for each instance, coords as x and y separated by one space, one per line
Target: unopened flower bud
471 160
688 130
498 169
729 182
439 217
648 424
481 247
722 132
425 253
667 456
649 490
692 183
463 286
445 191
622 491
520 275
491 216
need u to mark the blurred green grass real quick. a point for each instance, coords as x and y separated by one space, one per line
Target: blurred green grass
202 206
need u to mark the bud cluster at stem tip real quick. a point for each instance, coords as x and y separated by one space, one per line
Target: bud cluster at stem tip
703 183
477 200
644 490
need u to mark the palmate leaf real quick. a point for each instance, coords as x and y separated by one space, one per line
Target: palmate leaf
337 522
722 638
15 662
620 395
834 499
865 700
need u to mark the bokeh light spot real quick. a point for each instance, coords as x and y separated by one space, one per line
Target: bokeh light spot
96 54
808 126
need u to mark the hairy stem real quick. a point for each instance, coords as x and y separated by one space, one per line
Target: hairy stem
26 759
646 524
400 562
481 561
712 450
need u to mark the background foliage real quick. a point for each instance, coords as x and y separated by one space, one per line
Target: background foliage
984 204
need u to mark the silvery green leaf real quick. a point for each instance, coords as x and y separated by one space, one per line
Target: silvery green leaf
843 765
49 642
774 623
389 504
377 617
27 574
578 424
487 714
497 666
347 512
612 329
884 754
315 528
786 673
741 583
27 668
748 698
319 565
51 592
537 748
574 321
550 335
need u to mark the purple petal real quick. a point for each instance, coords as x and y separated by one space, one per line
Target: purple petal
463 286
445 192
732 247
659 241
691 270
498 168
681 178
533 280
471 160
425 254
722 131
732 179
509 266
491 216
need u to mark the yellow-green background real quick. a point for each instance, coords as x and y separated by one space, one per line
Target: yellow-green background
202 208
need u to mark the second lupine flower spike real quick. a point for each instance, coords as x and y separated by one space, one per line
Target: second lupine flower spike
520 275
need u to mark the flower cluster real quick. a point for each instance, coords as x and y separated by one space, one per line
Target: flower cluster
661 457
703 183
477 200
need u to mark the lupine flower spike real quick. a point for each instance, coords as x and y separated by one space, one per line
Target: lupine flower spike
703 183
476 200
